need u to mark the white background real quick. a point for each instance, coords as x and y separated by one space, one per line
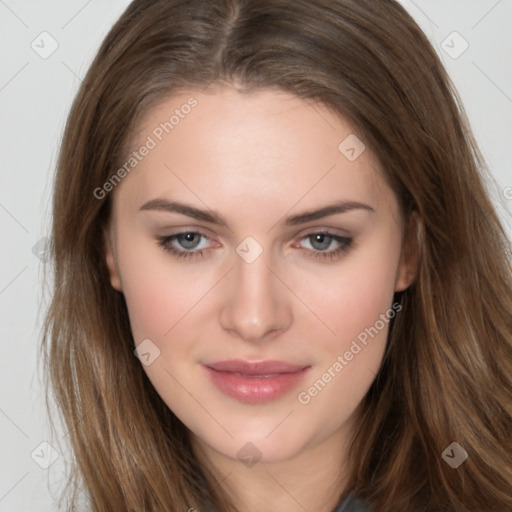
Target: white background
35 96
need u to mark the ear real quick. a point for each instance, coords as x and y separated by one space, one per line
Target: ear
111 261
409 259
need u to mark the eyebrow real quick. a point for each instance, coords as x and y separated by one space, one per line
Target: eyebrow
163 205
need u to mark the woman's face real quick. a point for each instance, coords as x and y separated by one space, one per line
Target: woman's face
258 248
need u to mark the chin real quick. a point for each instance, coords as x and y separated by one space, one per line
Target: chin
255 446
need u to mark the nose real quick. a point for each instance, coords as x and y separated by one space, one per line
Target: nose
256 305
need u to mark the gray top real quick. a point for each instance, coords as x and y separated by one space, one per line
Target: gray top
351 504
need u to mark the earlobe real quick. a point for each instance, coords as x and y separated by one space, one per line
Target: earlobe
409 262
111 262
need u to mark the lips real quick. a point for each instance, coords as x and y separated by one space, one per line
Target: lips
255 382
255 368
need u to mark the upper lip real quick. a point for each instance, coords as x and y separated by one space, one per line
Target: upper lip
255 367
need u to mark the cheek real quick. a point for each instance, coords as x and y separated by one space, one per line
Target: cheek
352 298
151 304
359 309
158 293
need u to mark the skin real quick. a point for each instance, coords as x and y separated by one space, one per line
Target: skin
254 159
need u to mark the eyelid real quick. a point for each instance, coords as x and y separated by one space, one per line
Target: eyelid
313 230
169 231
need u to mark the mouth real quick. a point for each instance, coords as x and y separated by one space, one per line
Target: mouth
255 382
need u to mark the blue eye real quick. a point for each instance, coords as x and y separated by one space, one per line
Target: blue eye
321 241
188 240
188 245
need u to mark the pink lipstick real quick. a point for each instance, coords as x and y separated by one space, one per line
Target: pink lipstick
255 382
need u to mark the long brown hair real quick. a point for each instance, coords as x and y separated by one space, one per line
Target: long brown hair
447 372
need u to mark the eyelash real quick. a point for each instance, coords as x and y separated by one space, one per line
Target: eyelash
345 244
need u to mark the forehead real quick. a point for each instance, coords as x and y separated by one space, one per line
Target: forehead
258 147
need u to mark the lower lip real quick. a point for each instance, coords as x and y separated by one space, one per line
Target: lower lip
255 390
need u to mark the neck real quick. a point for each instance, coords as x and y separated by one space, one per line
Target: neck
314 479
